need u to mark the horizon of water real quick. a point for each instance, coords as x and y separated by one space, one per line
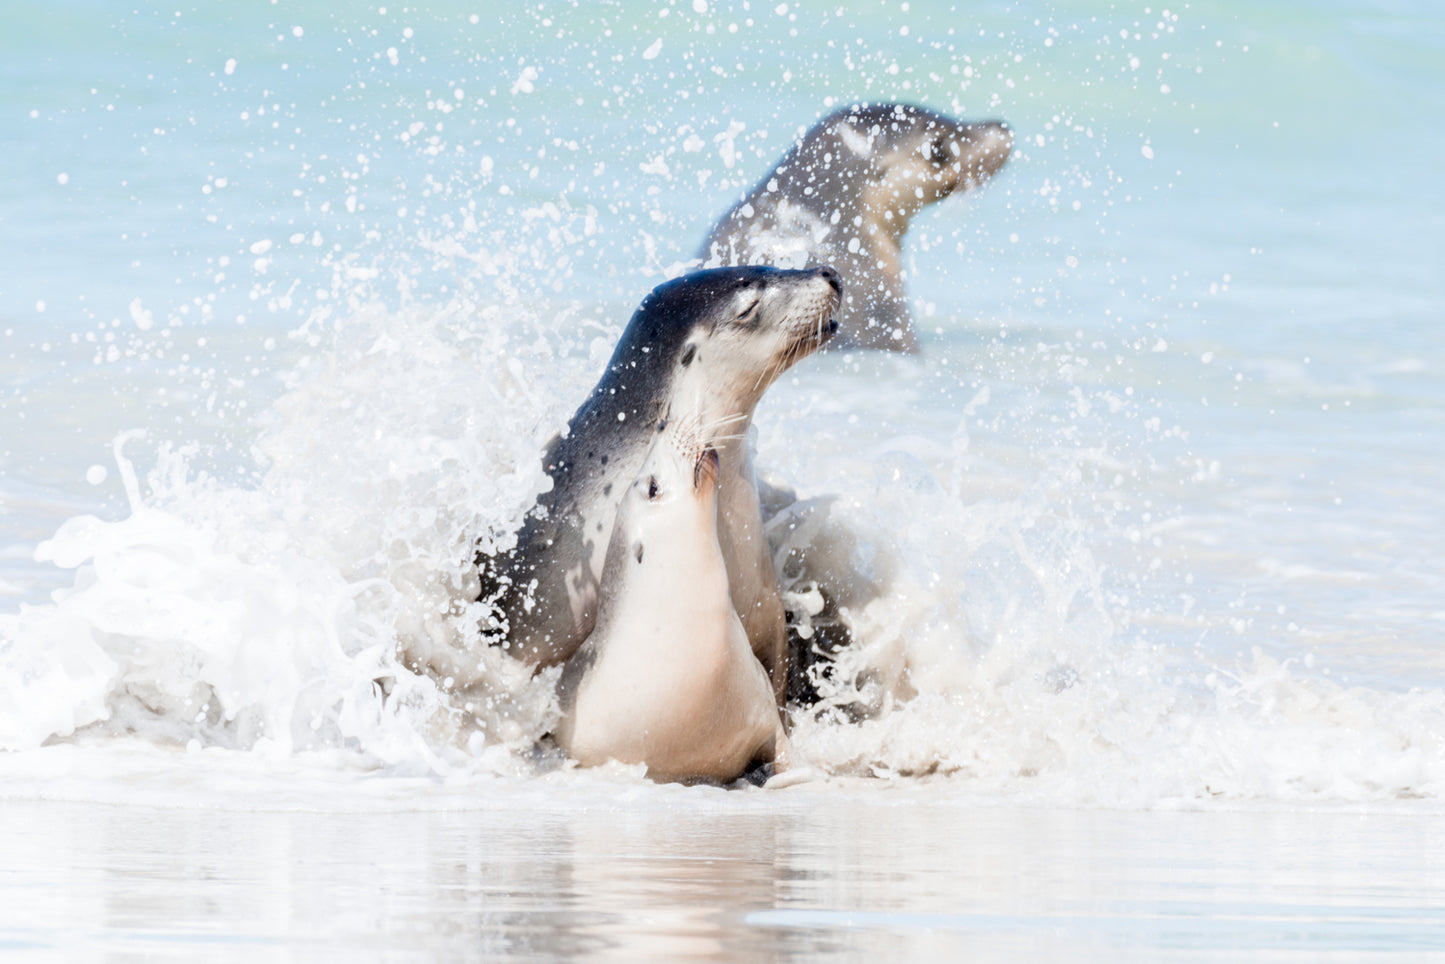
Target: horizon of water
292 296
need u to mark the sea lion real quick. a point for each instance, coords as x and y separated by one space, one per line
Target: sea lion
844 195
668 678
707 344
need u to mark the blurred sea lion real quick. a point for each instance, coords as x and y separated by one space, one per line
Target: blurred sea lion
844 195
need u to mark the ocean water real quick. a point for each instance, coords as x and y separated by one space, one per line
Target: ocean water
292 294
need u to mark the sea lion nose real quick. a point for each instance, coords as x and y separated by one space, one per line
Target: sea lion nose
994 136
830 274
988 128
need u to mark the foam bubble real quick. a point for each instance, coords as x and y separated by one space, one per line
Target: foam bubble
301 612
141 316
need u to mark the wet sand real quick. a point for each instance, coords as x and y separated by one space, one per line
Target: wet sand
642 873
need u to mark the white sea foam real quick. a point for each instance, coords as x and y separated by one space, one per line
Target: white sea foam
284 614
1076 569
310 609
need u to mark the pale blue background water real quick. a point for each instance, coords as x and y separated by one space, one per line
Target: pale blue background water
1261 296
1294 155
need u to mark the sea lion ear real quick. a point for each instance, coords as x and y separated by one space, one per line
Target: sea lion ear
855 140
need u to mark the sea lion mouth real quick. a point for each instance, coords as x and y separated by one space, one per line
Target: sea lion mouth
817 335
707 470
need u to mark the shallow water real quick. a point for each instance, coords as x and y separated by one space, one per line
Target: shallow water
291 297
604 868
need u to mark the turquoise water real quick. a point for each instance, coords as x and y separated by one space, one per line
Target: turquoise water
1209 263
291 294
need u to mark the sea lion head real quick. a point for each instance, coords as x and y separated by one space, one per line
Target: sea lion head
915 156
758 322
708 344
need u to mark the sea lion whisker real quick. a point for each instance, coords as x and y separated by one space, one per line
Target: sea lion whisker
768 373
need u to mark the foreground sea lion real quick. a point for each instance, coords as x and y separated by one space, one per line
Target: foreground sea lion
668 677
844 195
708 344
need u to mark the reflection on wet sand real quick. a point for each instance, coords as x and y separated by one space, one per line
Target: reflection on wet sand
730 877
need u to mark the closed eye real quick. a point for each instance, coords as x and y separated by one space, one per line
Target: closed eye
652 489
747 313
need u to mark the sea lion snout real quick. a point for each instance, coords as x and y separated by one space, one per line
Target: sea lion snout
989 145
830 274
828 327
